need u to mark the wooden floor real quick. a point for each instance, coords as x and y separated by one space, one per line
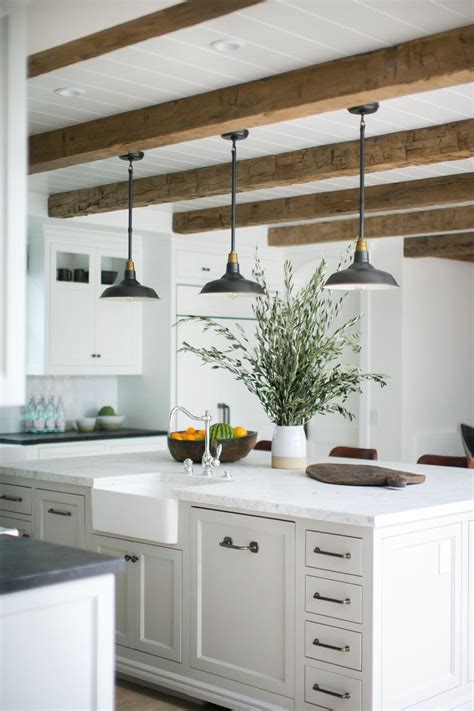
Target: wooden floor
131 697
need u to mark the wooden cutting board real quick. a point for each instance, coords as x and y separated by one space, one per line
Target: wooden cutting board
362 475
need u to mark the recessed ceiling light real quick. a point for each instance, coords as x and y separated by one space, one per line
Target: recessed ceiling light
69 91
226 45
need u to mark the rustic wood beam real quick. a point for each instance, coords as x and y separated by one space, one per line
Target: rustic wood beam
428 192
394 225
459 246
156 24
423 146
432 62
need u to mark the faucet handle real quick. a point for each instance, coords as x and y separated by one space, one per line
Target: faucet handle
218 453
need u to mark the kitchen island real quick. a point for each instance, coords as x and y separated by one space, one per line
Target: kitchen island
272 590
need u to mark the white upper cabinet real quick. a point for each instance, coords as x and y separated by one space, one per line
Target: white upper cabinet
12 202
71 331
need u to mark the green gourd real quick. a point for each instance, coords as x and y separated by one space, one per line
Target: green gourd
221 431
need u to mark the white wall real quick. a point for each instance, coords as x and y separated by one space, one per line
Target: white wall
438 355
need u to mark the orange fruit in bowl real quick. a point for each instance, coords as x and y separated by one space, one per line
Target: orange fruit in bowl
190 431
176 435
200 434
240 432
190 437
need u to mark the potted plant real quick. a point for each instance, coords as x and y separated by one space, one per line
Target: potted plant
296 365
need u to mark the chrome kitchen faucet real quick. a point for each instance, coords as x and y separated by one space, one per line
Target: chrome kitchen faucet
209 463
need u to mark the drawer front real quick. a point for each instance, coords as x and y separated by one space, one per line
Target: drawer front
59 518
333 598
24 528
15 498
332 691
329 551
333 645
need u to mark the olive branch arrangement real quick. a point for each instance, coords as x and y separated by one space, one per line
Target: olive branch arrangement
295 367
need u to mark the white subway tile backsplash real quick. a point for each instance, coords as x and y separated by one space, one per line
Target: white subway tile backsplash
81 396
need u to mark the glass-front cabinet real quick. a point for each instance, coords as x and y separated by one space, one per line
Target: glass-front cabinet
71 331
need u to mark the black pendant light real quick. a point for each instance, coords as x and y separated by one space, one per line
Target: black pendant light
129 288
232 282
361 274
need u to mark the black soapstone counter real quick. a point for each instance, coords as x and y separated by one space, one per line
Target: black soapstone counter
28 438
26 564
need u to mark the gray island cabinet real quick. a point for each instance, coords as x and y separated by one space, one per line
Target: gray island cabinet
276 591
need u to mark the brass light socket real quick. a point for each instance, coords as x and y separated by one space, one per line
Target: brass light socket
361 245
130 266
232 258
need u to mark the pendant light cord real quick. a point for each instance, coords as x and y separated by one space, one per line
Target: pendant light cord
234 188
130 200
362 177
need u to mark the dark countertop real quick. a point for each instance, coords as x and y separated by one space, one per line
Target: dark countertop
25 564
26 438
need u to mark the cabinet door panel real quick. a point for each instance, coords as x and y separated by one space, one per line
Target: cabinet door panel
421 615
118 323
243 602
158 601
71 312
123 586
59 518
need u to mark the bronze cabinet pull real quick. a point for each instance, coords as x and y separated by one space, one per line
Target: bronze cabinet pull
127 557
344 695
4 497
57 512
134 558
334 555
346 601
228 543
346 647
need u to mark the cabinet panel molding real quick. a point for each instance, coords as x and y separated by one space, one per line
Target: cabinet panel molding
243 602
421 615
158 578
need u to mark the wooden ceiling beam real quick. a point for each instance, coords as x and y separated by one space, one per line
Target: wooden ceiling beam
428 192
156 24
459 246
418 147
432 62
394 225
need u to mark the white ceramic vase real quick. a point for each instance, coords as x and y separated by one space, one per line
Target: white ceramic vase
289 447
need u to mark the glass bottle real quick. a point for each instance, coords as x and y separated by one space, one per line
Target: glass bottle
50 416
60 417
30 416
39 416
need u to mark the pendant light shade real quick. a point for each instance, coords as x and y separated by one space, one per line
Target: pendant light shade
129 288
232 282
361 274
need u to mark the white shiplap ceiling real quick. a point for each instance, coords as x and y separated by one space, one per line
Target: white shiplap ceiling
276 36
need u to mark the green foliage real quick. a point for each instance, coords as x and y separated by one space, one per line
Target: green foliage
296 366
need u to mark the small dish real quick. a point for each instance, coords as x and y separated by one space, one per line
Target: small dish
111 422
86 424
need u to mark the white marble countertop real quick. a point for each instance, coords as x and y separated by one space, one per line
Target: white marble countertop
256 487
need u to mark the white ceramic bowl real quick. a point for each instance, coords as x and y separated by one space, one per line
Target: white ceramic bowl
111 422
86 424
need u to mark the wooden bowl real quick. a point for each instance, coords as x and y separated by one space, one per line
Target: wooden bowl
232 449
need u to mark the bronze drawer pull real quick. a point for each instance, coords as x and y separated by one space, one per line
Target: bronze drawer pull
346 601
334 555
344 695
59 513
17 499
228 543
346 647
